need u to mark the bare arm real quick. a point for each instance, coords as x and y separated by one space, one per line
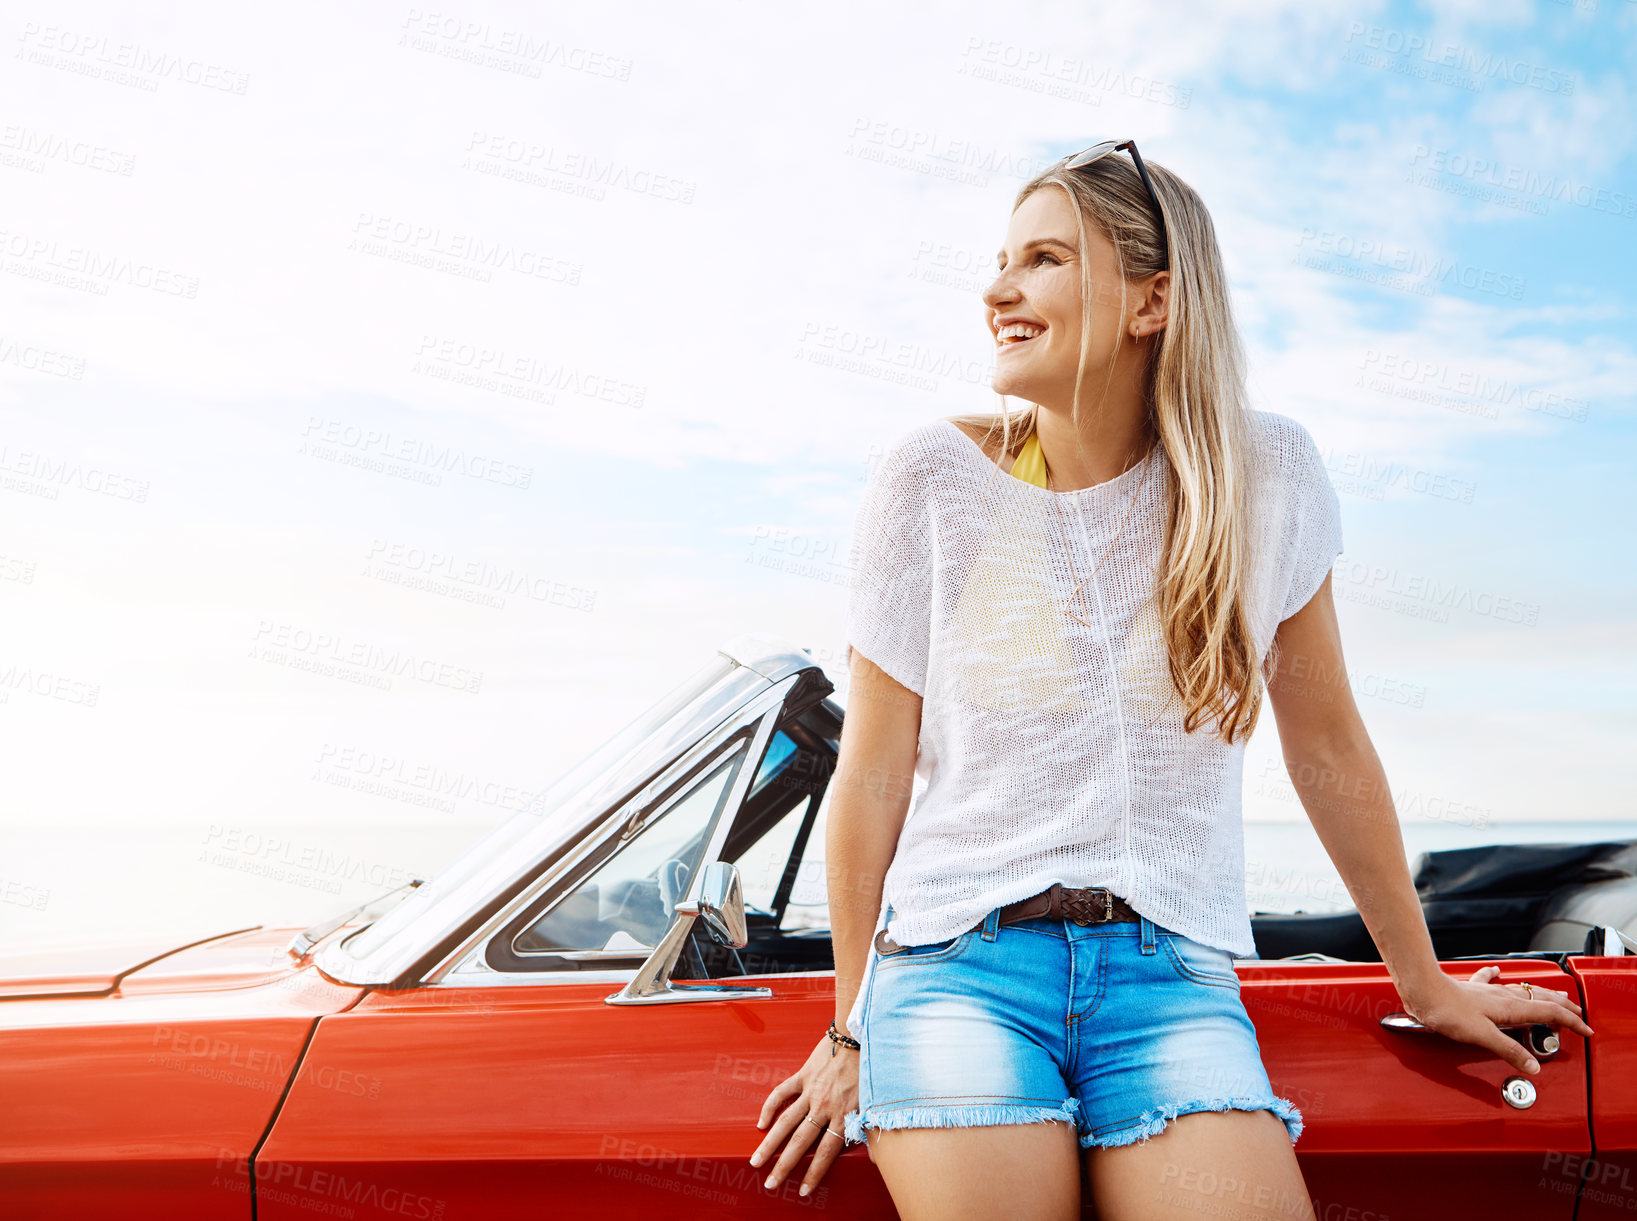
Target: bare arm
1344 789
871 792
874 777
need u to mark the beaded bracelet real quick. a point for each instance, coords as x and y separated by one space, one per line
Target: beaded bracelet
837 1039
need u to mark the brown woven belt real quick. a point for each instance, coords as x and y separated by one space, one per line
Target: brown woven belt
1083 905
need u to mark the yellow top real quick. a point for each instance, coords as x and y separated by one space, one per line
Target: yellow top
1030 466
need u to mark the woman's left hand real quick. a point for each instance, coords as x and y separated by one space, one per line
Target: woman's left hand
1470 1012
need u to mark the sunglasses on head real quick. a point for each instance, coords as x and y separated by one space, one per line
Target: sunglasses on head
1098 151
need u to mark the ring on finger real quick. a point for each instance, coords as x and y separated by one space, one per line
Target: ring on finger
1528 989
817 1124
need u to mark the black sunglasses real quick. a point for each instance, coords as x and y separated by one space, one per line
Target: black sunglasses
1098 151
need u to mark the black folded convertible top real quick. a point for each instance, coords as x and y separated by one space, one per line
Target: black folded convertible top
1515 869
1486 900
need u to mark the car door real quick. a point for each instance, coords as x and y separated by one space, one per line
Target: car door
1606 1180
513 1088
1406 1123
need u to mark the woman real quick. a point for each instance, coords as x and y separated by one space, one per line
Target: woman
1063 619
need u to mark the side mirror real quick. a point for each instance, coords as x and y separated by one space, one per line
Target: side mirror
721 903
1606 940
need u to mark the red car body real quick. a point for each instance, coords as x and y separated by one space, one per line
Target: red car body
236 1077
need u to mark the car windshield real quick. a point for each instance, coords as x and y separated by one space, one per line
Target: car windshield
630 900
634 895
626 752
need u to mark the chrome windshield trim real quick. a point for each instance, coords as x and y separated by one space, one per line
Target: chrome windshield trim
387 951
770 656
488 977
561 979
301 945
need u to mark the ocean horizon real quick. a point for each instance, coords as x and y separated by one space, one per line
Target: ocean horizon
64 885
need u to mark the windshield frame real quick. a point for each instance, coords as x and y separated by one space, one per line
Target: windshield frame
390 950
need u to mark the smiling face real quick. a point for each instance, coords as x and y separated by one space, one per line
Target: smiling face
1034 307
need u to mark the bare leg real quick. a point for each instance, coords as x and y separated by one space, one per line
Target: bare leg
1224 1165
1023 1172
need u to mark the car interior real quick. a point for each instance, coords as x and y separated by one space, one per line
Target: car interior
1536 900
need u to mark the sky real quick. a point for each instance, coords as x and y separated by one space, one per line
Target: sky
550 348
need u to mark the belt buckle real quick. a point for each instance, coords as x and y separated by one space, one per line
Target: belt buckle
1108 910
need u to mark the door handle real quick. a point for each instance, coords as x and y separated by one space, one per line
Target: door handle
1538 1037
1519 1093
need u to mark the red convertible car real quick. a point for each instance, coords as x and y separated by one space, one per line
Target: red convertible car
583 1015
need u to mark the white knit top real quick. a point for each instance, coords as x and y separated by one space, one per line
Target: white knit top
1048 749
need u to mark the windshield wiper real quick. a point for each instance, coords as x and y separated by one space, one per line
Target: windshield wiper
303 942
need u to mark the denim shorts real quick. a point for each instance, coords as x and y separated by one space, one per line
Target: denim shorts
1119 1027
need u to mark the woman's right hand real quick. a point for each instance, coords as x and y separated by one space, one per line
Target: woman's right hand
825 1089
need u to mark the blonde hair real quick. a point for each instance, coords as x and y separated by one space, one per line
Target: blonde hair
1197 405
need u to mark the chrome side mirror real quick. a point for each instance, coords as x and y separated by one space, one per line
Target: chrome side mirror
1607 940
721 903
719 900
